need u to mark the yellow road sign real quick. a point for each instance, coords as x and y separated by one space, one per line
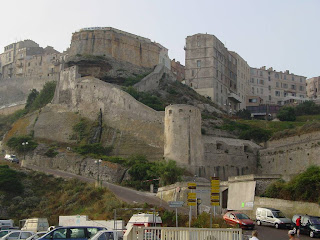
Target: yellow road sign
192 185
192 204
192 195
215 197
215 204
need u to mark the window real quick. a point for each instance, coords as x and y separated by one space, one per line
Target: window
198 63
285 85
253 90
269 97
301 96
25 235
252 80
261 74
192 73
269 78
277 84
198 43
261 82
285 77
252 100
285 94
261 90
269 87
300 79
277 75
293 87
292 78
14 235
277 93
301 88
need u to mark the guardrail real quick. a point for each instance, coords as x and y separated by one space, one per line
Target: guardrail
171 233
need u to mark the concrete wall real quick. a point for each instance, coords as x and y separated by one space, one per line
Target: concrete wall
241 195
289 208
289 156
119 109
117 44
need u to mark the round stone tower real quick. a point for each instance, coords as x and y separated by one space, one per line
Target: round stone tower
182 133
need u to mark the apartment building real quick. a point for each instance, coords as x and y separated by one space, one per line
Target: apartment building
211 70
313 87
275 87
243 78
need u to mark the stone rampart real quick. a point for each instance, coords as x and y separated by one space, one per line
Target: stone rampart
152 81
117 44
119 109
291 155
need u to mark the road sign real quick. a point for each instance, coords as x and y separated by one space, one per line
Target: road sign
176 204
202 191
192 185
215 191
192 195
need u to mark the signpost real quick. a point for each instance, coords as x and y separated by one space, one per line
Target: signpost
192 198
215 195
176 205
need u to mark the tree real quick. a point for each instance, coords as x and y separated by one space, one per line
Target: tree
287 114
244 114
307 108
256 134
31 97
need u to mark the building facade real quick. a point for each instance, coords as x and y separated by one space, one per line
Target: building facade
120 45
243 79
178 69
211 70
274 87
313 87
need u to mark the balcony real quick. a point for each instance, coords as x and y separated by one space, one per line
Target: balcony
234 97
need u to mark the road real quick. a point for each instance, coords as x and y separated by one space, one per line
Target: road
125 194
271 233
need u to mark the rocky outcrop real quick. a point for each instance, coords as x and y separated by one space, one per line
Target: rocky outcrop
68 161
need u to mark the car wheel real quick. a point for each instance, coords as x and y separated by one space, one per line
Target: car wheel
276 226
259 223
311 234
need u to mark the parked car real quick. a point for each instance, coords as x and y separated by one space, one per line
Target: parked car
11 158
17 235
105 235
36 235
272 217
5 232
78 232
309 225
238 219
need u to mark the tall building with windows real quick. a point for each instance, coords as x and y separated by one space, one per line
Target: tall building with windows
243 78
313 87
275 87
211 70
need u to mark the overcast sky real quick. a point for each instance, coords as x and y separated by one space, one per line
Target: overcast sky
283 34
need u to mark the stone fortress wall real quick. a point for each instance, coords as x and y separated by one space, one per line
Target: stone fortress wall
289 156
118 44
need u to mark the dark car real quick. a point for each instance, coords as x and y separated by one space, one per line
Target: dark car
72 233
238 219
309 225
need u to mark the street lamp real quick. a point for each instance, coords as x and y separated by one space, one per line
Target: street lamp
24 144
98 176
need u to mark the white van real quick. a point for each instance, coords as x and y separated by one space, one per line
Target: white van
272 217
36 225
6 224
145 219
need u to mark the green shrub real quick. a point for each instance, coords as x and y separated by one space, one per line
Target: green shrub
81 129
286 114
95 149
31 98
303 187
256 134
15 143
146 98
130 81
43 98
307 108
244 114
51 153
9 180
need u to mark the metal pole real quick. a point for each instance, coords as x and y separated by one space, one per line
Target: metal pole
98 174
115 219
211 217
190 217
176 217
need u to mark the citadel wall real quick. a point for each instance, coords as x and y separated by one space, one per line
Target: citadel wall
120 110
290 156
117 44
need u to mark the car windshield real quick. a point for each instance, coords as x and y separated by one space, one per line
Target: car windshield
242 216
3 233
315 221
278 214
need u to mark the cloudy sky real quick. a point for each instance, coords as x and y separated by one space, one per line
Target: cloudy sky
283 34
